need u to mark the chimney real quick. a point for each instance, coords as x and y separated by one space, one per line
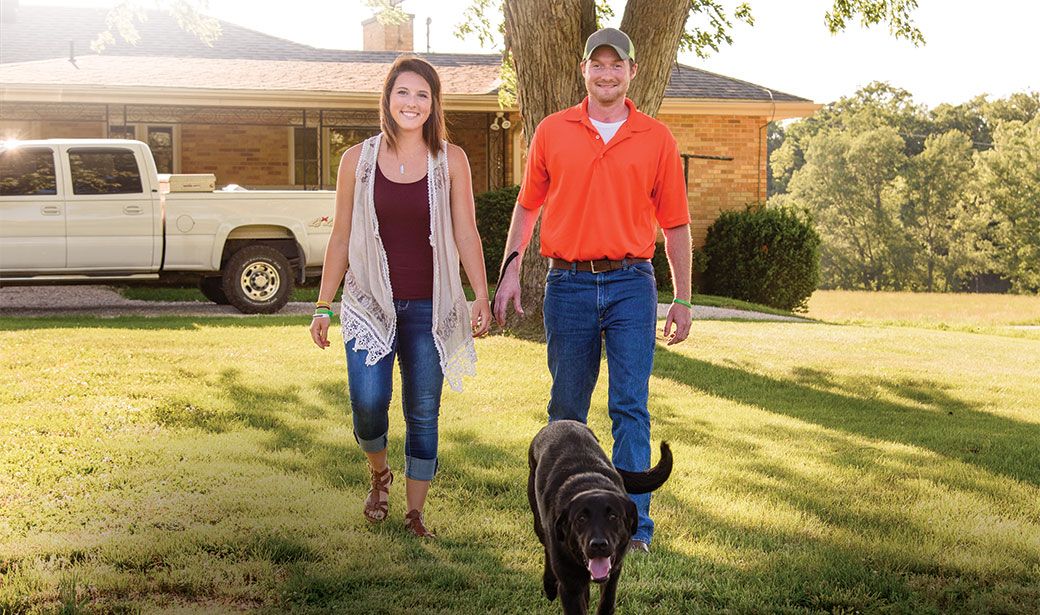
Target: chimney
389 37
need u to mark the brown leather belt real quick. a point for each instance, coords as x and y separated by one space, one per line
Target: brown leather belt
594 266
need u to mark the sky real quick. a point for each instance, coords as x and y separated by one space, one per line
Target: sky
969 50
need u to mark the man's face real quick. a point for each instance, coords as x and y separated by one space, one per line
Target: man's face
607 76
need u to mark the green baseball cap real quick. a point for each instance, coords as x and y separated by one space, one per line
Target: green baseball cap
613 37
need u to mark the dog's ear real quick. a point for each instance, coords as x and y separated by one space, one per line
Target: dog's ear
561 525
633 515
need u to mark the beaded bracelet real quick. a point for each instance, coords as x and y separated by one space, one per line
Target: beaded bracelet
683 302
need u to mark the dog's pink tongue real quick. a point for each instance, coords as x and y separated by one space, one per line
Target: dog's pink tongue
599 567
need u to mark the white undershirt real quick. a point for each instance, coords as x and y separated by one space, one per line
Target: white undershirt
607 130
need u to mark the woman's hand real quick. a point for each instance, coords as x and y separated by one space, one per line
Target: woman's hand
320 331
480 316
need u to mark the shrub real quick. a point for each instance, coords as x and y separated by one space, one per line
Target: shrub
765 255
664 274
494 213
661 270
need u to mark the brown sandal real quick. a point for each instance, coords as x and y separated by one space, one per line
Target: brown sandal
376 508
414 522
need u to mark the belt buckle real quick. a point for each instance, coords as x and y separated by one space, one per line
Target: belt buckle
592 265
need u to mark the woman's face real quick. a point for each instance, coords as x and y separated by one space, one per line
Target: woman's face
410 101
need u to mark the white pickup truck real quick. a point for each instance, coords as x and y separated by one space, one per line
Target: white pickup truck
75 210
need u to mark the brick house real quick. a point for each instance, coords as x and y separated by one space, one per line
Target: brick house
264 112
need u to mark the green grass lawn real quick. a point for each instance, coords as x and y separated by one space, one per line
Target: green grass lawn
193 464
930 309
310 294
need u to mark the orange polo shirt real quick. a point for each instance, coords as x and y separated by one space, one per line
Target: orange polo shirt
603 201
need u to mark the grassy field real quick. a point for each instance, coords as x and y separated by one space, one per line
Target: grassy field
310 294
187 465
929 309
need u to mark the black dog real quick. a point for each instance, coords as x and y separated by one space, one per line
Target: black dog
581 513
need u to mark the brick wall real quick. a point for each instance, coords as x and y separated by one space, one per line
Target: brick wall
469 131
251 156
720 185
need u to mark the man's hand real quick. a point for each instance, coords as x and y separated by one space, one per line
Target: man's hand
508 291
681 317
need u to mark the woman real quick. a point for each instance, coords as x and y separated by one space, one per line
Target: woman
404 219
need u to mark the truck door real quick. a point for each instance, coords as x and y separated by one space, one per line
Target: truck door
32 211
110 215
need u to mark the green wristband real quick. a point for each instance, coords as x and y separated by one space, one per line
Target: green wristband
323 312
683 302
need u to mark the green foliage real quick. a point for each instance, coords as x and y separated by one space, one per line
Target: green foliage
122 19
1009 183
494 214
897 13
892 188
709 26
849 185
767 255
944 225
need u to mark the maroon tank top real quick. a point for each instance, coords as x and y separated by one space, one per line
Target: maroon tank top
403 212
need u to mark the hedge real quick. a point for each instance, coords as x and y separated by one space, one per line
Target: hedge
767 255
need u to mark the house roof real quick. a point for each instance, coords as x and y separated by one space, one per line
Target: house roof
244 59
233 74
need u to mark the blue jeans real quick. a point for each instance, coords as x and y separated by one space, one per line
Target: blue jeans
371 387
584 310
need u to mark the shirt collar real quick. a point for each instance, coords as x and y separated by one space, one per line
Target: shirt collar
636 121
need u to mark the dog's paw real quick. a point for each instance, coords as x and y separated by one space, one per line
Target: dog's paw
550 587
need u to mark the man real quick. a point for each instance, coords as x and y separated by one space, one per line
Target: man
606 176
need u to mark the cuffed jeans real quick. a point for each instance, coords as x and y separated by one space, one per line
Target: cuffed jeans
371 387
582 311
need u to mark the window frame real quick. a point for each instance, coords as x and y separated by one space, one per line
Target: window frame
138 163
59 187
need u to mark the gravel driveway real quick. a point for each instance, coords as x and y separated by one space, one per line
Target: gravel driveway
106 302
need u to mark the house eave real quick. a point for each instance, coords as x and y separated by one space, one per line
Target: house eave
779 110
152 95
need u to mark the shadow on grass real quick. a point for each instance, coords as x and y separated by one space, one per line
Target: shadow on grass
939 423
450 573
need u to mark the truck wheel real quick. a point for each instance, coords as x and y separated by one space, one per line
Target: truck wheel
258 280
213 288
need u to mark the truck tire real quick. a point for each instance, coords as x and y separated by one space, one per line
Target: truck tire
258 280
213 288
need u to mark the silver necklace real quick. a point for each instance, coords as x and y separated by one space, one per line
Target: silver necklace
402 163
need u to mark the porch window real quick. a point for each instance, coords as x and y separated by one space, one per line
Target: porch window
160 140
340 139
305 157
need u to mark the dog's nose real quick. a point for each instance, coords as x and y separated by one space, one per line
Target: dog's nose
599 545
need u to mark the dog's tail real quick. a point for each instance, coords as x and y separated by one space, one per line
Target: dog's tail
645 482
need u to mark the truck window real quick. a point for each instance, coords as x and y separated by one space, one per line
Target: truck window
27 171
104 171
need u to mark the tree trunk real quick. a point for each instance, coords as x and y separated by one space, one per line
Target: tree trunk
655 27
545 38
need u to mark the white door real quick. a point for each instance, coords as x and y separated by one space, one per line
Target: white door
109 214
32 211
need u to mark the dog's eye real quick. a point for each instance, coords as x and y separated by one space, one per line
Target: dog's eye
612 516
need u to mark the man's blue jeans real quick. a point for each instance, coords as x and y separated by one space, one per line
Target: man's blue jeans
582 311
371 387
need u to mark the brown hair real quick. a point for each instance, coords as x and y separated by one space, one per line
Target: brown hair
434 130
